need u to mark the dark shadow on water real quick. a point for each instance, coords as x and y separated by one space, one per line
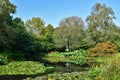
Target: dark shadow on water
13 77
19 77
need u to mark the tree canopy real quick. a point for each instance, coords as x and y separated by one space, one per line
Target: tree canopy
100 22
69 33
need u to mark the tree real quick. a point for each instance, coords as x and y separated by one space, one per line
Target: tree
69 33
17 23
6 31
100 22
115 36
49 30
22 39
87 42
6 8
23 42
47 41
42 34
35 26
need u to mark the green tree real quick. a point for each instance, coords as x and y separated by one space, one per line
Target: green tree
70 33
42 34
35 26
22 39
87 42
49 30
100 22
115 36
47 41
17 23
6 31
23 42
6 8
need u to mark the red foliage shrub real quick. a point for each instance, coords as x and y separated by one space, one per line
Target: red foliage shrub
102 49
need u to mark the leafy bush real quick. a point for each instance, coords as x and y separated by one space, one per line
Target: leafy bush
17 56
49 70
117 43
54 58
3 61
103 49
75 57
22 67
5 55
4 58
10 56
111 71
93 73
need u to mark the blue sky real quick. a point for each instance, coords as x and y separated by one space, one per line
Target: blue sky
52 11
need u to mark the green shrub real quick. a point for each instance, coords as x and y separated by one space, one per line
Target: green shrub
102 49
54 58
93 73
75 57
16 56
49 70
5 55
22 68
10 56
111 71
3 61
